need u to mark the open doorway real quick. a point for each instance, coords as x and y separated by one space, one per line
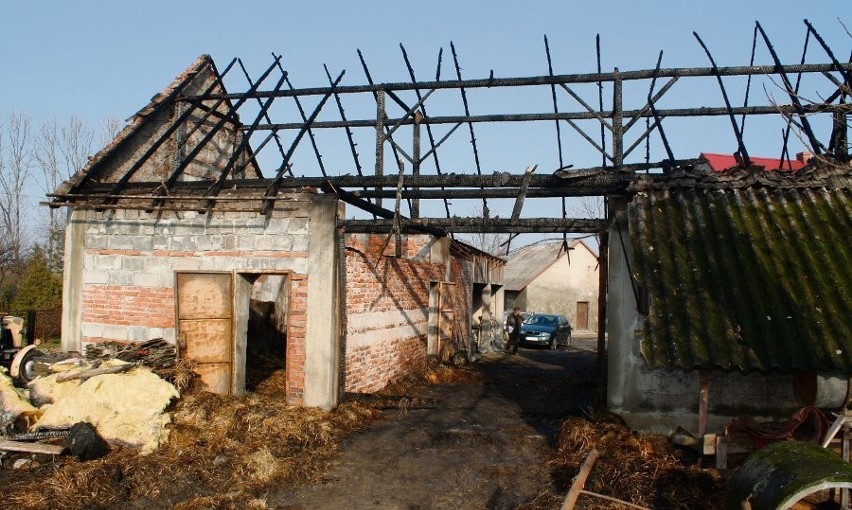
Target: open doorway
261 301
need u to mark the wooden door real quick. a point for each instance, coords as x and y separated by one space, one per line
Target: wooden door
205 326
446 317
582 315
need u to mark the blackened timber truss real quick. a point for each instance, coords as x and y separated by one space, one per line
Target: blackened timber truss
415 174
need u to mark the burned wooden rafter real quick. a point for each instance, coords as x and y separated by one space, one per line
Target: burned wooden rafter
645 74
785 137
522 194
593 178
349 135
704 111
260 104
847 76
469 124
381 116
746 161
481 225
189 158
244 143
177 124
555 102
558 141
779 68
494 193
310 132
600 98
433 151
650 105
375 210
748 81
272 189
657 119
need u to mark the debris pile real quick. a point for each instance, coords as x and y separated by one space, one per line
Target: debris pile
645 470
113 397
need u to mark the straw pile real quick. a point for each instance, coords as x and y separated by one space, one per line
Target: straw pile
645 470
223 452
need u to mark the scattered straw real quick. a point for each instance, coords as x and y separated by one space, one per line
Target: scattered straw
644 470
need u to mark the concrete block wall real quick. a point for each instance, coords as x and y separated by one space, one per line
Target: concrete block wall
128 260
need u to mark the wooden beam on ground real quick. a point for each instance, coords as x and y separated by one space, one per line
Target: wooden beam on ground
580 480
19 446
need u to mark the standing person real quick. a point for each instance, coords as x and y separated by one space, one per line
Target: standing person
513 324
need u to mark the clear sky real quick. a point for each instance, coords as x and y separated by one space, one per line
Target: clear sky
108 57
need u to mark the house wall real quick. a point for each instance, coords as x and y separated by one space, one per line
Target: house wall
120 277
559 287
661 400
387 306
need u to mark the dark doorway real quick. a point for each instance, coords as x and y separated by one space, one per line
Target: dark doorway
265 305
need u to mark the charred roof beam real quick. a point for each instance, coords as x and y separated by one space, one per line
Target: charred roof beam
480 225
645 74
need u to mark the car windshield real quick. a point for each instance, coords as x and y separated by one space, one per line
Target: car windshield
542 320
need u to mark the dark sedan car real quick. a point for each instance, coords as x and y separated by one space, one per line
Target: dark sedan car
546 329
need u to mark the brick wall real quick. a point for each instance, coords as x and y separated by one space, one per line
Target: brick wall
387 306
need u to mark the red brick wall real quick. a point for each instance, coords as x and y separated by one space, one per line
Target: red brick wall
127 305
387 302
296 322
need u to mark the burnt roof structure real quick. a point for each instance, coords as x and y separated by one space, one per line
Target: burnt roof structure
220 137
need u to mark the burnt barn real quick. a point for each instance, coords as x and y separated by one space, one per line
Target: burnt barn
239 291
182 229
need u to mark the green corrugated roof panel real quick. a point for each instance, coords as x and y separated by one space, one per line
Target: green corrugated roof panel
754 277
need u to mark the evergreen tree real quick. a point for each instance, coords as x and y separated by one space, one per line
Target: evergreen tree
39 286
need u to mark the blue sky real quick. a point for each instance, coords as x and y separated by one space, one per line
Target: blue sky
102 58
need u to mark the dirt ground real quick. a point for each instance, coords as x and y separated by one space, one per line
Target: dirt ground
507 432
464 446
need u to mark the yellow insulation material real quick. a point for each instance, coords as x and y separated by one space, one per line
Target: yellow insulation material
126 408
14 403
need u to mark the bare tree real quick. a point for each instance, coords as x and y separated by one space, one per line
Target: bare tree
15 168
487 242
60 151
110 127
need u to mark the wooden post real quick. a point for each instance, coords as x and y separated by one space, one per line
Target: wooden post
380 138
580 480
703 399
603 276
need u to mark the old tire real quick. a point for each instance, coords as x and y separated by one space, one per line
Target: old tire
23 366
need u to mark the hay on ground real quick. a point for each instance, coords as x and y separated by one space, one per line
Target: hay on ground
645 470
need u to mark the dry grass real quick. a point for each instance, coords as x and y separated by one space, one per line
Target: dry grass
644 470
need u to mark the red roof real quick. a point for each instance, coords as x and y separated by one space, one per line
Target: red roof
719 162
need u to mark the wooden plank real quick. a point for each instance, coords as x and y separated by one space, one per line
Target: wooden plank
580 480
18 446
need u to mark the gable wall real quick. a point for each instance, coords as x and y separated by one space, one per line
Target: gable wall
558 288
